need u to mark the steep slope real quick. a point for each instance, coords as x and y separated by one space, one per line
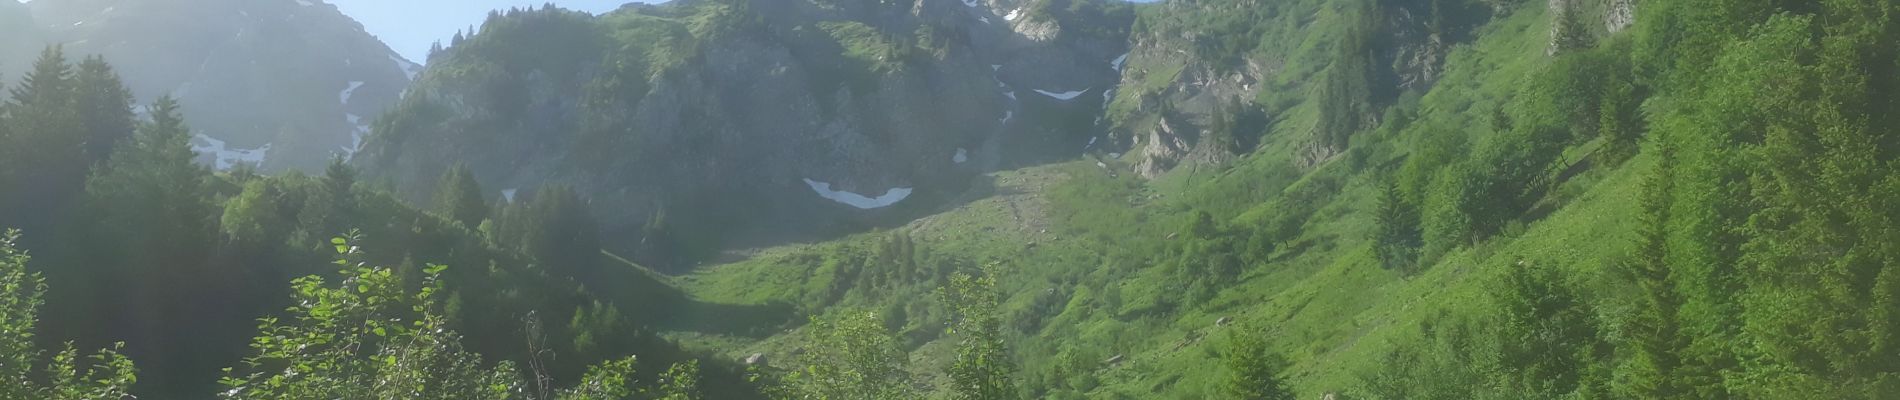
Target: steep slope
739 121
279 84
1208 79
1121 287
16 22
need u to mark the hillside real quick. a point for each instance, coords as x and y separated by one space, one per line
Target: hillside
741 122
1495 202
279 85
875 199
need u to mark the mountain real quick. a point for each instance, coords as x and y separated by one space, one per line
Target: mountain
746 121
281 85
895 199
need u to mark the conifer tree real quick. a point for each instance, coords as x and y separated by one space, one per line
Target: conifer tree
562 235
47 160
1397 238
106 106
1253 370
459 197
153 235
1654 336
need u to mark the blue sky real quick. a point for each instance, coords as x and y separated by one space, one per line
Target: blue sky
409 26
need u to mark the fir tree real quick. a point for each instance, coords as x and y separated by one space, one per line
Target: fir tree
1397 238
459 197
1654 334
106 105
561 234
1253 370
47 160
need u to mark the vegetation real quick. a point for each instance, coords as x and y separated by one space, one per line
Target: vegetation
179 264
1702 205
110 374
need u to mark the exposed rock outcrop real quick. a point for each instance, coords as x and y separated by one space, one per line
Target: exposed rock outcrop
1195 100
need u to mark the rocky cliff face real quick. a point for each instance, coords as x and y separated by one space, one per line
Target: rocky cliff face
1207 78
281 84
747 119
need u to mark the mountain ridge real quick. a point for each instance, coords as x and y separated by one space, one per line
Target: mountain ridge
280 85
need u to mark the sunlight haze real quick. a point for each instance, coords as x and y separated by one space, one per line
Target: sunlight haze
410 26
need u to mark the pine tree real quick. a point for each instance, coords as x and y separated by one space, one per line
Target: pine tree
1397 238
49 84
1568 31
1821 237
335 203
106 105
459 197
1253 370
47 141
561 234
148 194
152 235
1654 336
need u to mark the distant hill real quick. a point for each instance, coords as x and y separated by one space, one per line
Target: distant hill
280 84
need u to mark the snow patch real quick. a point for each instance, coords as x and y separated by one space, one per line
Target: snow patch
1011 94
961 157
1091 143
408 68
1007 114
223 157
857 200
1064 96
358 131
1013 15
1118 61
971 3
985 20
509 194
1107 97
344 96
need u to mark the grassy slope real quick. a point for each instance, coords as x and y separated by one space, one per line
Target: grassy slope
1330 310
